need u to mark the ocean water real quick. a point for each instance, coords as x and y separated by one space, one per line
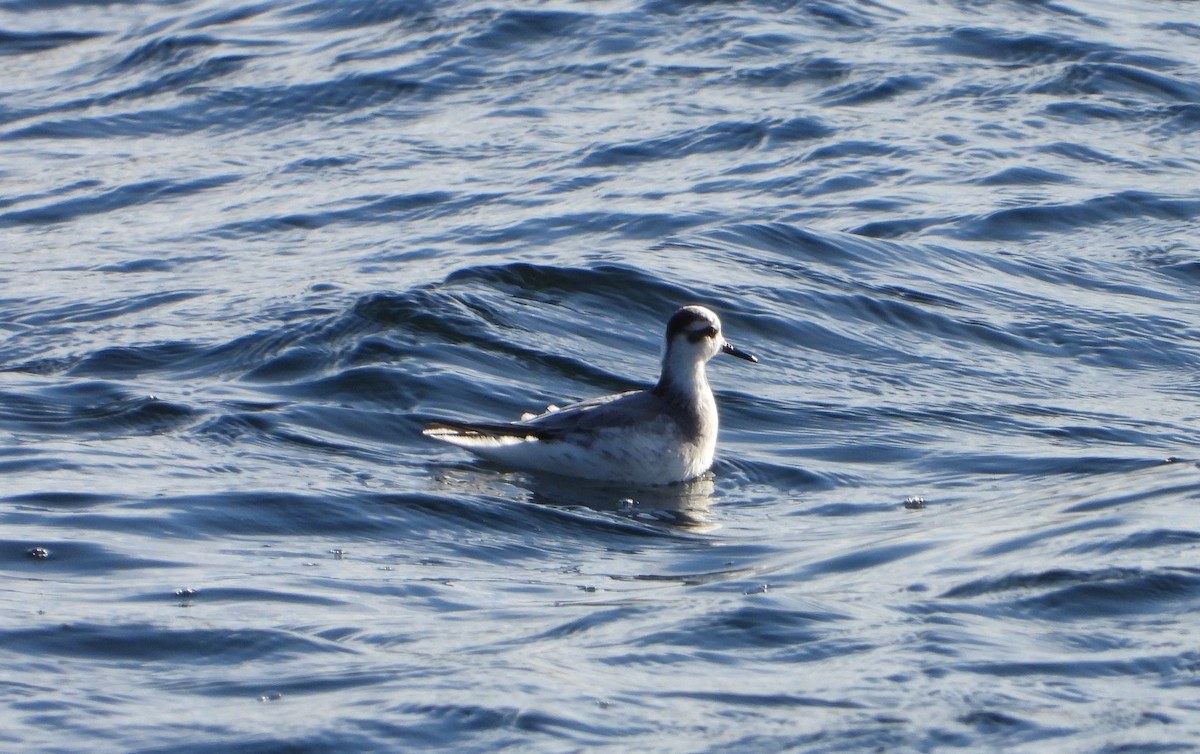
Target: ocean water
248 248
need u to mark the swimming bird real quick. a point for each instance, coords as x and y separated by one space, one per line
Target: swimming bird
662 435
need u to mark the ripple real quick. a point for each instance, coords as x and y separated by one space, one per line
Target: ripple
130 195
1114 78
148 643
1005 46
22 43
234 109
755 627
1069 595
91 408
719 137
341 15
99 311
73 558
1034 221
404 208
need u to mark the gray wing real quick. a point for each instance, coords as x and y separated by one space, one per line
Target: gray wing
621 410
586 417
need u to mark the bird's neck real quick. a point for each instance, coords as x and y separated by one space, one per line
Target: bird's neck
684 385
683 380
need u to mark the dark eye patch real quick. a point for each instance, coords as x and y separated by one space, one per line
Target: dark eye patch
708 332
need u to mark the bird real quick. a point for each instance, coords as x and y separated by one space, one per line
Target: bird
658 436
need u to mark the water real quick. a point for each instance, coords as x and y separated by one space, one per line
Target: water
250 248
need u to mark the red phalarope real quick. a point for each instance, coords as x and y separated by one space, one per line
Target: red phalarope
658 436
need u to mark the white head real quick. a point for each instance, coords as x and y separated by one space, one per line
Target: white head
693 337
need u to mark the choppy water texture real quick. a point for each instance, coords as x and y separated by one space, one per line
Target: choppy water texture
250 247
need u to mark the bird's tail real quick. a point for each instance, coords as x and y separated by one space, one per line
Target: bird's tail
468 433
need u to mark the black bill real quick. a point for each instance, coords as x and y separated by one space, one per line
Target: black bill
733 350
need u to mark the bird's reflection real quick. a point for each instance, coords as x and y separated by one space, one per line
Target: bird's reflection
684 505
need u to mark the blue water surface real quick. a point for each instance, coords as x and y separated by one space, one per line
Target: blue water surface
249 248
